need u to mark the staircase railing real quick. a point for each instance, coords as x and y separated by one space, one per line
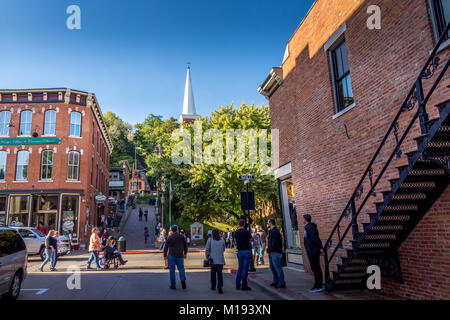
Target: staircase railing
415 95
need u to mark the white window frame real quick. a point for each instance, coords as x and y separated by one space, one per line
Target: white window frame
28 122
5 124
22 164
69 166
50 123
47 165
4 158
73 134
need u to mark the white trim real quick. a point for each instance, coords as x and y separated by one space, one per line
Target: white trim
335 37
20 181
444 45
76 137
78 181
45 181
283 171
340 113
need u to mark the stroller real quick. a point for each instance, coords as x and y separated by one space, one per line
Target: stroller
111 258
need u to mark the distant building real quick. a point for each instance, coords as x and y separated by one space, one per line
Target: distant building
138 183
54 160
119 181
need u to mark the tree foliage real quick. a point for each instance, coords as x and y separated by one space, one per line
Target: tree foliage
121 136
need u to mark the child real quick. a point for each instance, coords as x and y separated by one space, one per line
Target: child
146 234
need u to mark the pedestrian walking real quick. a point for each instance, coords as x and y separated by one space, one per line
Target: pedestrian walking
140 214
58 242
256 246
244 254
50 249
313 247
110 221
104 237
176 249
146 215
275 251
146 234
263 237
94 249
162 238
214 252
157 229
229 238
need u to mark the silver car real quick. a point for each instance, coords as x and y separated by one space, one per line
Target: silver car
13 262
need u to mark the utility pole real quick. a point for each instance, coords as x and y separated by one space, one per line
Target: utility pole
247 182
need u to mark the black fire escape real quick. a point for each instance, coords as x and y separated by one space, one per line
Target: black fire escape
393 195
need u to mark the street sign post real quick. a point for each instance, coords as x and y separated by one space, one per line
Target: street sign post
247 179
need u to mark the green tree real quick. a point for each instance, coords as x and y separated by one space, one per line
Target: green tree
120 133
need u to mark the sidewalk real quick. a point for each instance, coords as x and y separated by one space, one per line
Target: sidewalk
298 284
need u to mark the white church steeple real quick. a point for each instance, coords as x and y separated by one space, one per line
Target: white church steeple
189 113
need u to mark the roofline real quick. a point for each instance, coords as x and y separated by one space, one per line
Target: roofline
303 20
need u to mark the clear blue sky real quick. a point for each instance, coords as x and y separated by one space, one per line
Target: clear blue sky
132 53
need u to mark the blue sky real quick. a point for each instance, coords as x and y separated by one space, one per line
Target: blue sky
132 53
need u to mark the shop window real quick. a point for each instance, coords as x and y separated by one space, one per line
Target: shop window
5 118
441 16
45 212
3 156
47 165
18 213
22 165
73 168
25 123
341 77
50 123
75 124
69 217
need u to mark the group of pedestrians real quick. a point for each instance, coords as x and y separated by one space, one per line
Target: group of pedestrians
96 246
143 213
51 250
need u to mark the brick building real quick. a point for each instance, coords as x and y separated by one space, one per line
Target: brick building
139 183
54 159
335 96
119 181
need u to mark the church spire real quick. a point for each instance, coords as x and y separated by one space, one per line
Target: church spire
189 113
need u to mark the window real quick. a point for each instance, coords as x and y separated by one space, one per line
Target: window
75 124
93 133
5 117
47 165
50 123
22 165
10 242
92 171
3 155
74 166
25 123
341 76
441 16
69 218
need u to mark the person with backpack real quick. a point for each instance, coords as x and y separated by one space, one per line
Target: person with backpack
313 247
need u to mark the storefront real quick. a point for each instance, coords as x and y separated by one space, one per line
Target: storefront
70 212
290 217
19 210
2 210
45 212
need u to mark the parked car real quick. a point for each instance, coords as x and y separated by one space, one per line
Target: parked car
35 242
13 262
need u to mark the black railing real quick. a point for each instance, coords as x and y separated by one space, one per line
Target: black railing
415 95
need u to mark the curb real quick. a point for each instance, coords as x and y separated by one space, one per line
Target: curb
263 287
146 252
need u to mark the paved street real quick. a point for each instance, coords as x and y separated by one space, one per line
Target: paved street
143 277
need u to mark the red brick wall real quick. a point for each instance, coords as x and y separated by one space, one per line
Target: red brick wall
326 165
60 157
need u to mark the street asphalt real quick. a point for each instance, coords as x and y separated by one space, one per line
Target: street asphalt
142 278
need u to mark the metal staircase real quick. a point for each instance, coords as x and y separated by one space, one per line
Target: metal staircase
393 195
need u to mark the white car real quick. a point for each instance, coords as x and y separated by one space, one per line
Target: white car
35 242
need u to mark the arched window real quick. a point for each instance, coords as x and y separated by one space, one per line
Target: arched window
3 155
25 123
22 165
75 124
73 168
5 117
50 123
47 165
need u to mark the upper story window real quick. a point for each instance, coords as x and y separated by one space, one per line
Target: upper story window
22 165
3 156
25 123
75 124
50 123
5 118
47 165
341 77
73 168
441 16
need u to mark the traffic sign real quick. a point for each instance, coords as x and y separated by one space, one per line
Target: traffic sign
246 177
